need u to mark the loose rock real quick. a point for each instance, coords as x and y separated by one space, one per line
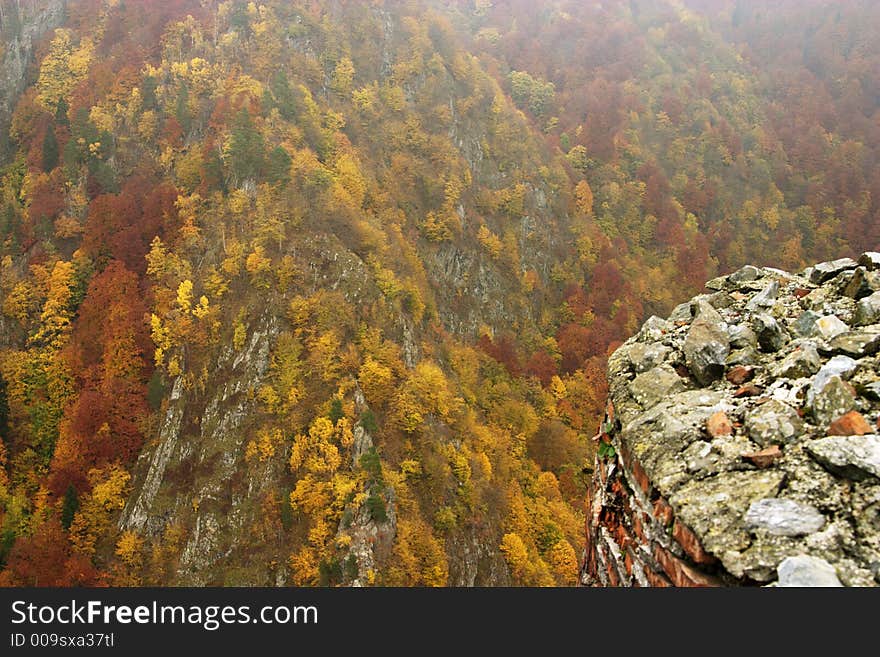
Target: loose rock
718 424
827 270
653 329
870 260
748 390
745 275
784 517
771 336
764 298
862 342
833 401
804 570
839 366
646 356
802 362
853 457
765 457
740 374
859 285
868 310
706 346
741 336
828 326
804 324
773 422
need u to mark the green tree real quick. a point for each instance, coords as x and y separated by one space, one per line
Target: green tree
278 166
4 410
69 507
336 412
247 149
50 150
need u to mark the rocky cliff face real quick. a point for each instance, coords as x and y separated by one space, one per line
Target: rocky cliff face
21 26
740 444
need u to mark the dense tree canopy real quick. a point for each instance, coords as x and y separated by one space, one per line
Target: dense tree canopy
453 209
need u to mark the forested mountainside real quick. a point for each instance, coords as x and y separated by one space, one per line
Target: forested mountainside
318 293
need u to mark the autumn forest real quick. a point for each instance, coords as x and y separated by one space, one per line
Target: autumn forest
321 293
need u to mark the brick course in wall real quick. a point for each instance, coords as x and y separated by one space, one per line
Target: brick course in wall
633 537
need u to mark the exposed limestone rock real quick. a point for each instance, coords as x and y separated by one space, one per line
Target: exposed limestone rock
770 471
827 270
706 346
773 422
771 336
803 570
34 20
854 457
784 517
870 260
868 311
652 386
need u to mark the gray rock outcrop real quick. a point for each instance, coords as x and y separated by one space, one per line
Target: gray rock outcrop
747 444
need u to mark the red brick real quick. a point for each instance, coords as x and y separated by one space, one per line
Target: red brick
632 466
613 578
608 518
623 537
592 567
609 412
680 573
850 424
800 292
739 374
657 580
663 512
638 529
719 425
688 540
628 563
641 477
765 457
748 390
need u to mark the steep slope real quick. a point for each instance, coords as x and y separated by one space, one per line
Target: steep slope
21 27
260 244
